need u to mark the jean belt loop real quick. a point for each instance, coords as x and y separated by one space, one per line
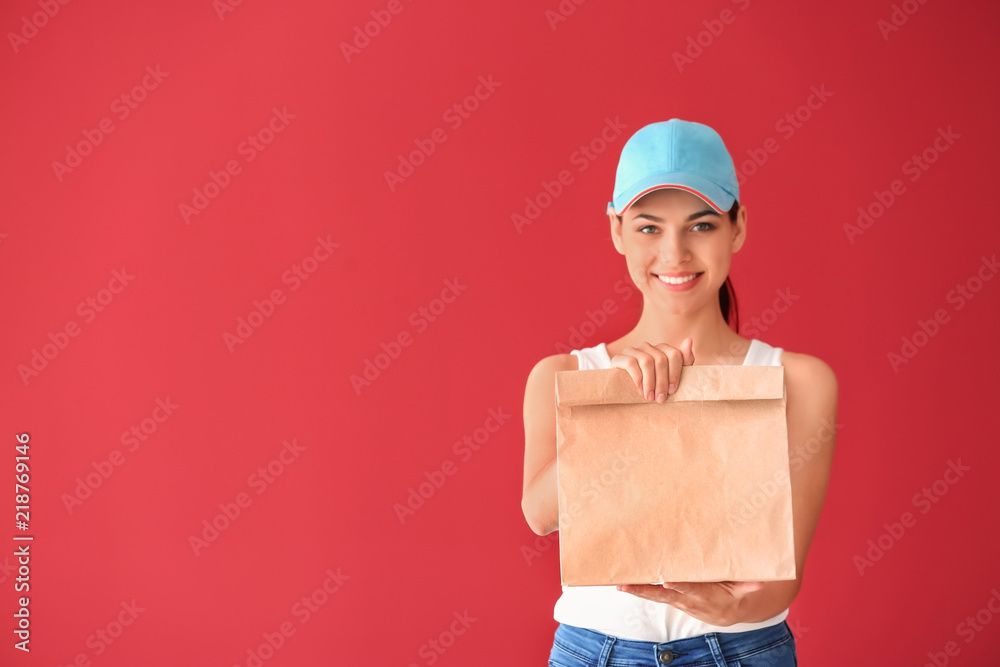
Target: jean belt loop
713 646
609 641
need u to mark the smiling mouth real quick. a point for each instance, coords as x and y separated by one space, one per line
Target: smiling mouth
680 280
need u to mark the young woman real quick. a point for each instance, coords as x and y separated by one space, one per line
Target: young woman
677 219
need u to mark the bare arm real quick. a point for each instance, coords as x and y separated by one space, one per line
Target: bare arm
811 413
539 499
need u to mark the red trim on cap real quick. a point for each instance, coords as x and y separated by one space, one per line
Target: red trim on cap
679 187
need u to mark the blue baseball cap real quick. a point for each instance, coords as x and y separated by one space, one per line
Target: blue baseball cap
678 154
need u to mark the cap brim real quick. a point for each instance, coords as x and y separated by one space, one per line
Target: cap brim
713 195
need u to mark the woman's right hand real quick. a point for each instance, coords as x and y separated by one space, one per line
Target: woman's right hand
655 369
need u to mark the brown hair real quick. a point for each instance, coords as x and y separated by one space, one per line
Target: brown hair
727 293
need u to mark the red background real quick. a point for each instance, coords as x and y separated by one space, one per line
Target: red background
323 175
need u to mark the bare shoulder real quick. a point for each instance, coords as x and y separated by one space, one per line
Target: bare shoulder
812 391
809 376
540 389
543 373
558 362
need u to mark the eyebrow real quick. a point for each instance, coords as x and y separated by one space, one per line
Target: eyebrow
693 216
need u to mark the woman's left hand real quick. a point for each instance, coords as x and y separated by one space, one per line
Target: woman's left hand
715 602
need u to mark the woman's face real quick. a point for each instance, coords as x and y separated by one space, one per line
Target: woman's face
670 235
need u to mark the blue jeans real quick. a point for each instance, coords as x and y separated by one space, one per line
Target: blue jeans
773 646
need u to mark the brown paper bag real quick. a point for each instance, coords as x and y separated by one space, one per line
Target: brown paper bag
694 489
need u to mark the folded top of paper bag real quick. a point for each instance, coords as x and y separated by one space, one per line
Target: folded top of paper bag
697 383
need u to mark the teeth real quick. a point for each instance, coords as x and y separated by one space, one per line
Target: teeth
678 281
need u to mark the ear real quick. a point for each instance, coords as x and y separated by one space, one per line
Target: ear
616 233
739 229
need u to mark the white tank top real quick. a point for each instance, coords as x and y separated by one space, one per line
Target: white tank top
608 610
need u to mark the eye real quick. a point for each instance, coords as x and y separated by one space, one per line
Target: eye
641 229
708 226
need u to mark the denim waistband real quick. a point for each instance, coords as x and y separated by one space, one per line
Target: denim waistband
709 650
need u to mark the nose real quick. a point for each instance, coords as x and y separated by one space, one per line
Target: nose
672 249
